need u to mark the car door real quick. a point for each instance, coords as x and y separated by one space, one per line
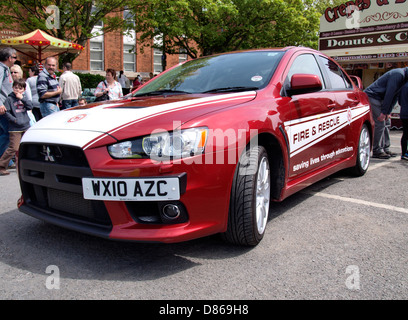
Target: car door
310 130
347 106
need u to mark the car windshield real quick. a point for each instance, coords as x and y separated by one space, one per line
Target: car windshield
222 73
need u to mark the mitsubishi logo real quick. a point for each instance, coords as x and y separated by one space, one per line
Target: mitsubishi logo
51 153
47 153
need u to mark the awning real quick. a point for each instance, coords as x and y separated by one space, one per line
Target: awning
40 42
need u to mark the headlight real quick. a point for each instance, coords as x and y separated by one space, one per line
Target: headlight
176 144
157 146
123 150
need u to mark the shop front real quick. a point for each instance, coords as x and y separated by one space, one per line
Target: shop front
367 38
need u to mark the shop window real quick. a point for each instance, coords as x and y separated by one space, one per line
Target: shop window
158 53
129 43
182 55
129 58
96 50
157 60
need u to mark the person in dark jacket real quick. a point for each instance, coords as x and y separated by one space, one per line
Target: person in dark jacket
7 59
403 101
383 95
17 106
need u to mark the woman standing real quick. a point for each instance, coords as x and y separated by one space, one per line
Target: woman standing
17 73
109 86
124 82
403 101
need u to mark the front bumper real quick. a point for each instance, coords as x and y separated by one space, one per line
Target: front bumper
52 191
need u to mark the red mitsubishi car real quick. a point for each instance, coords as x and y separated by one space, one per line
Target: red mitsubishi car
202 149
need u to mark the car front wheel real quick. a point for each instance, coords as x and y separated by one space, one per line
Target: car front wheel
250 199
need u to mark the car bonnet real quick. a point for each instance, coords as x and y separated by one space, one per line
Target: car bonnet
80 126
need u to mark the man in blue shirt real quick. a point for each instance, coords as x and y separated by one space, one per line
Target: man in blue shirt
383 95
403 101
48 87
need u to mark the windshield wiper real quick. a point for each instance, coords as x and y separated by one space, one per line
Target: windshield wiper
161 92
231 89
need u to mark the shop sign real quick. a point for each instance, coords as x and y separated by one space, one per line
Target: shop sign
365 57
363 23
364 40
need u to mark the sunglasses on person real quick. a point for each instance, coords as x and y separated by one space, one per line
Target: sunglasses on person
14 57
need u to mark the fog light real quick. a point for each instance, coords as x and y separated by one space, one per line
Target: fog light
171 211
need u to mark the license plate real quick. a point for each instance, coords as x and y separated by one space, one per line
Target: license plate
131 189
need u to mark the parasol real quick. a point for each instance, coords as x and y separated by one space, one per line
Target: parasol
41 42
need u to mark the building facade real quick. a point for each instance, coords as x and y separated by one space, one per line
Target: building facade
121 52
367 37
114 50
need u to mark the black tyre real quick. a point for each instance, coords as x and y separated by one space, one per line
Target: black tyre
363 152
250 199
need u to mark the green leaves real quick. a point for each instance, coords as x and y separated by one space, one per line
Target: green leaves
198 27
77 17
213 26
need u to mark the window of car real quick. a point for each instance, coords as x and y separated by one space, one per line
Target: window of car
306 64
227 72
338 79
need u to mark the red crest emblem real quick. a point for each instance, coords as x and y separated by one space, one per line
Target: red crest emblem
77 118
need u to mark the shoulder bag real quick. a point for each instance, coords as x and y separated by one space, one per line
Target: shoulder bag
103 97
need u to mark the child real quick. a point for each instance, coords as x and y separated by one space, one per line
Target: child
18 119
81 102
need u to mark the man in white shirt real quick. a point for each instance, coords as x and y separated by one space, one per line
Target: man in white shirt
71 87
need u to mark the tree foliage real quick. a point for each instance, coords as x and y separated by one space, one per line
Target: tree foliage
321 5
77 18
212 26
198 27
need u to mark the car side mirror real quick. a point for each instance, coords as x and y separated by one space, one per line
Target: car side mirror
304 83
357 81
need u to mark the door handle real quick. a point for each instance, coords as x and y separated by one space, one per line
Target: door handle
331 105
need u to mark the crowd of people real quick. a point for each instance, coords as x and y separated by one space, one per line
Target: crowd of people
24 102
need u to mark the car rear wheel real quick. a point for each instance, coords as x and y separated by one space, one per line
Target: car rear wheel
363 152
250 199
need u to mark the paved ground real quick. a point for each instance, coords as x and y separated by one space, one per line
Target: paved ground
342 238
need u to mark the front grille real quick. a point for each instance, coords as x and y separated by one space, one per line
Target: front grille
54 154
51 183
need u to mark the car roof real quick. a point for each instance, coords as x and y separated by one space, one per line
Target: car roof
281 49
